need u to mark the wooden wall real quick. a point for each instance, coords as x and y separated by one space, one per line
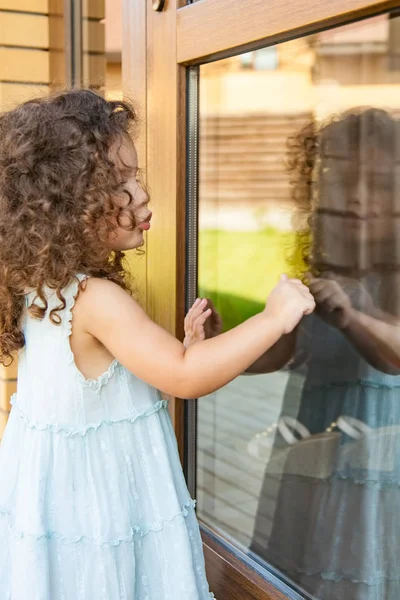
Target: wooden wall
93 44
24 50
33 57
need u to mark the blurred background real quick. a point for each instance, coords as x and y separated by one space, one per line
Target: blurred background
50 44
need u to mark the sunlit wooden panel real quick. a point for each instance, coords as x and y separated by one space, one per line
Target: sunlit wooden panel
18 29
24 65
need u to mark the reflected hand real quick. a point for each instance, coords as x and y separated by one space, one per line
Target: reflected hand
213 325
333 304
195 322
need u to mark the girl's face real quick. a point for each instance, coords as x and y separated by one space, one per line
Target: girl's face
133 202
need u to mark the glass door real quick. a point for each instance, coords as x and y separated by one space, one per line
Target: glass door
271 143
298 167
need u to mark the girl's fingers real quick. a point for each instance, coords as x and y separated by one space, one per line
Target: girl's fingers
310 305
306 293
197 310
201 319
198 327
194 306
188 318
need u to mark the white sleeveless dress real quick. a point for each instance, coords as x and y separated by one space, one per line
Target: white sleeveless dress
93 501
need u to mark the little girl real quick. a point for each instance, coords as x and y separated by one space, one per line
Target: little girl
93 502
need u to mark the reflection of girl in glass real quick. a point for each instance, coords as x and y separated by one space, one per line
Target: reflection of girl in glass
334 526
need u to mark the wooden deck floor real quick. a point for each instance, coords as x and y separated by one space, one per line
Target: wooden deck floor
230 474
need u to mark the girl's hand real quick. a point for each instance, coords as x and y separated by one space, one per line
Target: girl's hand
288 303
195 323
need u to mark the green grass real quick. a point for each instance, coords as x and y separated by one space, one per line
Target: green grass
233 309
237 270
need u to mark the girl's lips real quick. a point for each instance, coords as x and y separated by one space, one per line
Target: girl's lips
145 226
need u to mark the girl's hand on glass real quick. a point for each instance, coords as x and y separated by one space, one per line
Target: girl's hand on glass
288 303
195 322
202 322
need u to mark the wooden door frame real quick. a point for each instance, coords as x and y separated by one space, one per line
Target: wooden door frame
157 48
266 23
156 82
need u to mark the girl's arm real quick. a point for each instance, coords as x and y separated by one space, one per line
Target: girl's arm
204 322
111 316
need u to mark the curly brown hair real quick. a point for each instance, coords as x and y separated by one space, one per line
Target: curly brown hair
58 180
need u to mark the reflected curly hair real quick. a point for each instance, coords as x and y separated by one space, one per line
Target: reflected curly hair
305 149
58 180
300 165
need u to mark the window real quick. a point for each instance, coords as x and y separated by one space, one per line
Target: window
298 461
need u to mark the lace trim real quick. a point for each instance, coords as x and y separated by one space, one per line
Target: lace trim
99 382
71 431
137 530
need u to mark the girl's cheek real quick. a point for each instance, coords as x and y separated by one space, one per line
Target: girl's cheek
128 219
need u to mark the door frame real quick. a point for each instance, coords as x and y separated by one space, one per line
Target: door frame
265 23
157 50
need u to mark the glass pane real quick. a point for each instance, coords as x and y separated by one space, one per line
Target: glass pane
299 460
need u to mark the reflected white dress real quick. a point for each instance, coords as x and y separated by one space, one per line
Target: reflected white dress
336 523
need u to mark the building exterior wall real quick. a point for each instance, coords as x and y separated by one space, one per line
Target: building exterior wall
33 59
